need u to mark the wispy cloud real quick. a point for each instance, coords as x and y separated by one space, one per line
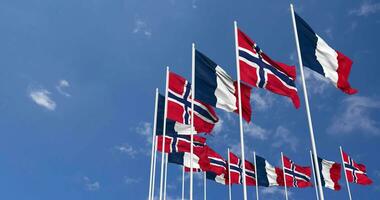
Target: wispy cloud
262 100
366 8
62 85
274 191
141 27
194 4
256 131
91 185
317 84
283 137
127 149
355 114
218 127
145 129
130 180
42 98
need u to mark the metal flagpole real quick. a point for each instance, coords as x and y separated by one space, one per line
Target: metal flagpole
229 176
257 178
204 186
240 111
192 117
151 185
164 133
314 148
314 177
154 166
345 175
283 171
183 182
166 174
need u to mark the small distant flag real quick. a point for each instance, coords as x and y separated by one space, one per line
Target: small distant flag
267 175
179 106
259 70
236 171
356 173
218 164
321 58
215 87
330 173
296 175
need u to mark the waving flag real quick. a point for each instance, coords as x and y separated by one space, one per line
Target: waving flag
222 179
236 171
296 175
183 158
258 70
179 106
179 143
321 58
215 87
217 163
356 173
330 173
267 175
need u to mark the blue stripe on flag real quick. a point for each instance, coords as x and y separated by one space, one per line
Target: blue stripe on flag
261 172
205 79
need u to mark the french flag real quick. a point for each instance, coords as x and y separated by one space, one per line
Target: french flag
321 58
267 175
216 88
330 172
198 162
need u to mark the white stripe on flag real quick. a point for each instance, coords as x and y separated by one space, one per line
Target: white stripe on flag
225 98
328 58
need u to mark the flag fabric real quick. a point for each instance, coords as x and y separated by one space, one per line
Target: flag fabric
236 171
330 173
183 158
321 58
222 179
215 87
179 106
296 175
217 164
355 172
179 143
267 175
259 70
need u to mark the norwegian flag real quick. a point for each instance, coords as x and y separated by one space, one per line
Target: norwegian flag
216 162
258 70
356 173
179 143
296 175
236 171
179 106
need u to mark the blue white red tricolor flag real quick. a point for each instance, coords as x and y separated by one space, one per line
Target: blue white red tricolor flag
267 175
321 58
222 178
330 173
179 106
236 171
215 87
355 172
183 158
259 70
296 175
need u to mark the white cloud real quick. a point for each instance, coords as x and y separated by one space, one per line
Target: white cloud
194 4
329 33
41 97
145 129
142 28
356 115
256 131
62 84
127 149
283 137
274 191
262 100
129 180
366 8
218 127
91 185
316 83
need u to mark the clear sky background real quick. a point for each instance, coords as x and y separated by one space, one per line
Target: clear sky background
77 81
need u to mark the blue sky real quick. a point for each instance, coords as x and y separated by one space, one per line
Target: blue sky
77 88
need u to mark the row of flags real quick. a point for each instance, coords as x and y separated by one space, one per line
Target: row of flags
189 110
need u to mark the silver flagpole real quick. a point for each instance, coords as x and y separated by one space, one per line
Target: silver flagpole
229 176
283 171
344 171
154 167
183 182
257 178
166 174
204 186
314 177
164 133
192 117
151 185
314 148
240 111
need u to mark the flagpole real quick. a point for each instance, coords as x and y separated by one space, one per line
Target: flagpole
192 117
166 174
154 166
345 174
164 133
313 145
256 176
240 111
183 182
314 177
229 176
283 171
153 146
204 186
